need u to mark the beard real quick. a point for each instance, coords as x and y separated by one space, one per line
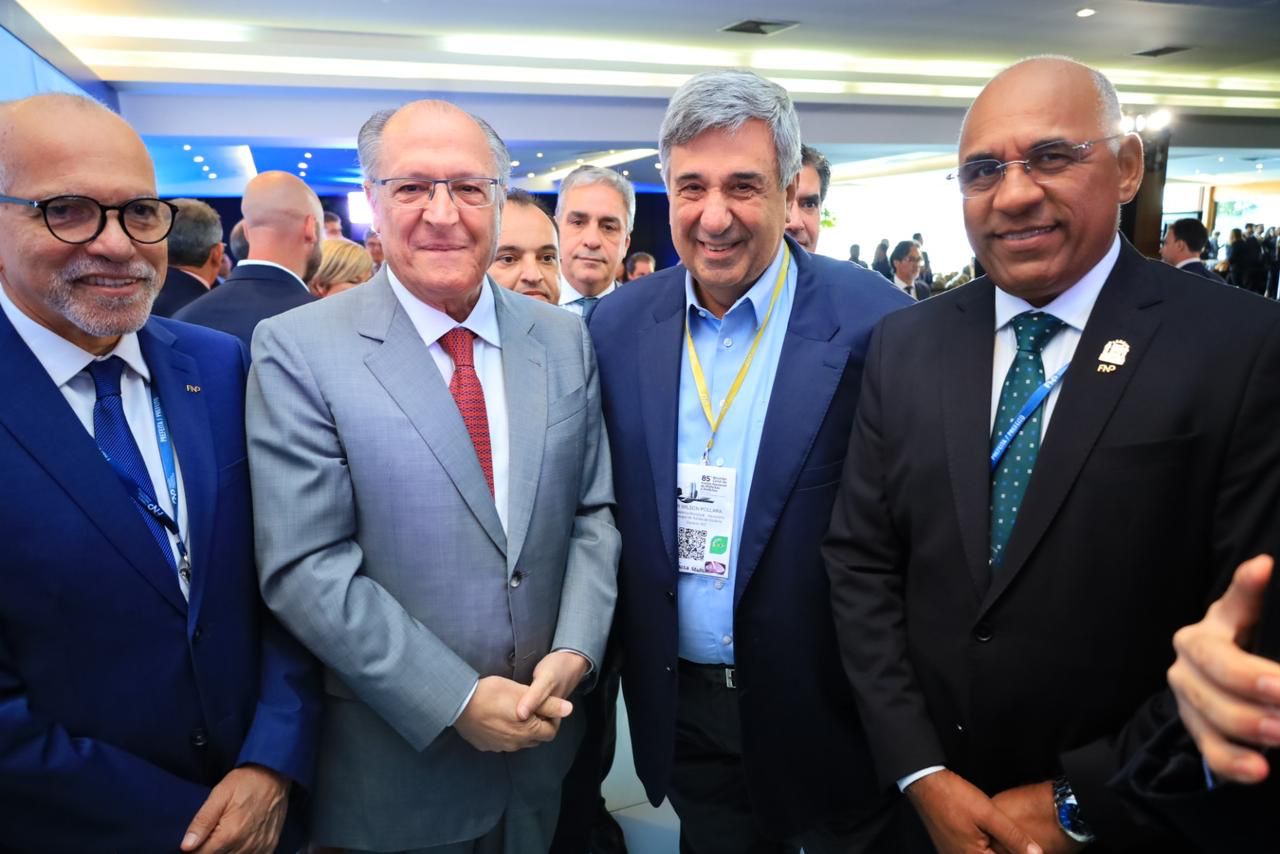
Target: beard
104 316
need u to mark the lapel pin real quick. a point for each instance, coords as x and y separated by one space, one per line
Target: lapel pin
194 389
1113 356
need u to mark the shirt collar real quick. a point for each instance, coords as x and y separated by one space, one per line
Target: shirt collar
1073 306
569 294
61 359
432 323
259 262
759 295
1185 261
902 286
202 282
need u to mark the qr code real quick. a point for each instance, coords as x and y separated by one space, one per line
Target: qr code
693 543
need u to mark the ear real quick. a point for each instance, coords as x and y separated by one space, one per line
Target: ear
1131 166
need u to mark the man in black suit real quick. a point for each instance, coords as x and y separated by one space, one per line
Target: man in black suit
195 256
282 221
1182 245
1008 646
907 260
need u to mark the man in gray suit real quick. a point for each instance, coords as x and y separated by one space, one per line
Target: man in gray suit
434 502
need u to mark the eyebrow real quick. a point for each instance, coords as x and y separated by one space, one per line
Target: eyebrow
605 218
811 197
990 155
511 247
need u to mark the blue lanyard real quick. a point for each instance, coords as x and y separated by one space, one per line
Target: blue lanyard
143 495
1032 404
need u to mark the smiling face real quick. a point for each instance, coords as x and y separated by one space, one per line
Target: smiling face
90 293
528 261
805 216
1038 239
440 251
727 210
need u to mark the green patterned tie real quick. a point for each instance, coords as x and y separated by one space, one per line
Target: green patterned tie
1009 480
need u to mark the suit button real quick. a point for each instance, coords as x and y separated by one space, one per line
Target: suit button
959 727
511 658
199 739
671 596
195 635
982 632
516 578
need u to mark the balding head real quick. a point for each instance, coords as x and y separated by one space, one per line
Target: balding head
67 145
283 222
1038 232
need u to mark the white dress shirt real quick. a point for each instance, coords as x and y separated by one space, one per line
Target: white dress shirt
909 290
569 296
249 262
66 363
432 324
1073 307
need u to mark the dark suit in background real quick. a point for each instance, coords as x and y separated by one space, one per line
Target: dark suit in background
1154 481
253 292
1198 268
180 289
804 752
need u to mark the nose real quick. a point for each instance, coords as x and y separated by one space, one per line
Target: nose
113 243
715 217
1016 191
591 235
529 271
440 209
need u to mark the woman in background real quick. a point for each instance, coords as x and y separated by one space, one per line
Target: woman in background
343 265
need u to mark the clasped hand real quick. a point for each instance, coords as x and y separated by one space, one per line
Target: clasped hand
505 716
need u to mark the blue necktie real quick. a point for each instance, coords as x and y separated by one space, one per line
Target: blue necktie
588 306
1009 481
115 439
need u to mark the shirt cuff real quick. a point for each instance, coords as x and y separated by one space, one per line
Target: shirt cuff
591 668
919 775
463 707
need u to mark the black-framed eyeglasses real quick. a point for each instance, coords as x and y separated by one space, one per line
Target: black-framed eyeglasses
418 192
1042 164
80 219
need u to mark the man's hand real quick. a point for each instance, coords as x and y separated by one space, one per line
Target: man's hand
1224 694
556 676
962 820
1031 808
489 722
242 815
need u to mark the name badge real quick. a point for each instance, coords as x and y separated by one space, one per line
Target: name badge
705 497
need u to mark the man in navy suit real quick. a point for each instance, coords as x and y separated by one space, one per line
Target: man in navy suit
282 221
146 702
729 385
1182 245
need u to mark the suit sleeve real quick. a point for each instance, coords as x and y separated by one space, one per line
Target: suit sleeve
60 792
285 732
591 574
866 561
309 560
1246 523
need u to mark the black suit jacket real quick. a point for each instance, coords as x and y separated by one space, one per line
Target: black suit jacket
180 289
1199 268
252 292
1153 482
804 752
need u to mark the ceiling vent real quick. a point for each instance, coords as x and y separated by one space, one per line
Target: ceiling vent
1163 51
759 28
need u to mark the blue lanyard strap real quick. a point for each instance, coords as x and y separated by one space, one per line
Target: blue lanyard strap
142 494
1028 409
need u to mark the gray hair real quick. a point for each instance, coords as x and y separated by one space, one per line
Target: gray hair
810 156
369 144
727 99
587 175
196 230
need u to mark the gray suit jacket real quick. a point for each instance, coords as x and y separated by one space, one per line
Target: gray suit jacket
380 548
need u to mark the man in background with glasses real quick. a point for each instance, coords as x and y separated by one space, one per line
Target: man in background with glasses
145 705
1008 646
440 531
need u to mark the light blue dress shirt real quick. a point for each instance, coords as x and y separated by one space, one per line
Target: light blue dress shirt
706 603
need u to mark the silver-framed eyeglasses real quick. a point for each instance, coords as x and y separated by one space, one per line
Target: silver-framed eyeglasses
418 192
80 219
1042 164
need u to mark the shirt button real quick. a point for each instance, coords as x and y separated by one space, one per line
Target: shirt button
728 342
719 585
726 640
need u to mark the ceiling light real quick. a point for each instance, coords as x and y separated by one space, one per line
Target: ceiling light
302 166
529 175
1126 124
1159 120
1086 13
657 165
515 163
199 158
306 154
1259 167
539 154
68 27
205 167
1222 159
625 173
213 175
562 49
186 148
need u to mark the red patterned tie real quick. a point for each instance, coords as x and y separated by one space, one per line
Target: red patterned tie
468 394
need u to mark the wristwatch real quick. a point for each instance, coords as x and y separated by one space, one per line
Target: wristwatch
1068 810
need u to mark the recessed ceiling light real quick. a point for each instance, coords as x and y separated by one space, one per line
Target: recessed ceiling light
625 172
1221 159
1259 167
1086 13
186 148
306 154
302 166
199 158
213 175
205 167
539 154
515 163
529 175
657 165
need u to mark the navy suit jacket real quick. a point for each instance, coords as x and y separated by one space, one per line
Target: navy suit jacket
1199 268
121 704
252 292
804 750
180 290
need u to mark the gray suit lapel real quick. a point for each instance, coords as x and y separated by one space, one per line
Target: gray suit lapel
405 369
525 372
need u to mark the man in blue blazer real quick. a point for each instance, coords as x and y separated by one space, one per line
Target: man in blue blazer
283 221
739 710
146 702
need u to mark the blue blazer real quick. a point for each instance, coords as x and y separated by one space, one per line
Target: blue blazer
121 704
804 750
252 293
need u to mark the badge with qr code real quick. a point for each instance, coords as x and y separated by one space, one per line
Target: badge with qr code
705 498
